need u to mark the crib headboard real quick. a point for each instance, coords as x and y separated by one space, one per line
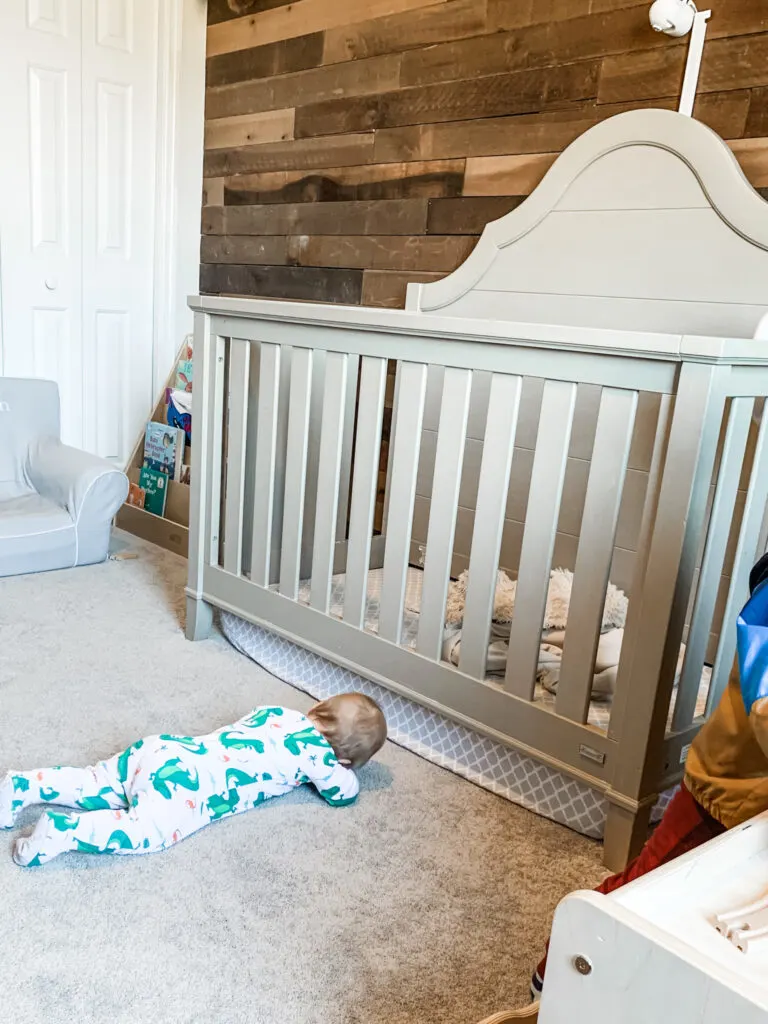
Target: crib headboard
645 222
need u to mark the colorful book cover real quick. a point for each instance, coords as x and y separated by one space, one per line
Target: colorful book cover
136 495
155 486
184 375
164 449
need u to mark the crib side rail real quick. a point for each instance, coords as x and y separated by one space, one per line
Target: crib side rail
286 441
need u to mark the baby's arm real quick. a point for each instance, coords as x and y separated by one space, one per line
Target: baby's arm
336 784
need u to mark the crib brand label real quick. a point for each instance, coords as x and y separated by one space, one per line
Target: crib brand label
591 754
684 753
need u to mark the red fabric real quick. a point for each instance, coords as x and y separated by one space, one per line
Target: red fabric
684 826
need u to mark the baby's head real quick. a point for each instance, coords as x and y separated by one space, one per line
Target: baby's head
353 724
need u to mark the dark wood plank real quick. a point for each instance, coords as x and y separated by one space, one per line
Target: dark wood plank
739 63
299 18
376 252
736 63
219 10
757 118
369 181
468 215
645 75
356 78
507 14
547 45
456 19
386 217
387 288
521 92
281 58
245 249
212 220
304 154
307 283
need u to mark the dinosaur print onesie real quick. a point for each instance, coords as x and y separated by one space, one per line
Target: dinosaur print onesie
163 788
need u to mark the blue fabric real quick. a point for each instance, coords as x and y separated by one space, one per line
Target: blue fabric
752 647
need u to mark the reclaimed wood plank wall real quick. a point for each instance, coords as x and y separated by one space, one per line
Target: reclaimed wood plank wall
353 147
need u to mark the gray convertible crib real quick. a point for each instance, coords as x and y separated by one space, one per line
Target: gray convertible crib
584 392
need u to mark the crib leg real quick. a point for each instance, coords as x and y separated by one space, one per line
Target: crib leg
625 835
199 619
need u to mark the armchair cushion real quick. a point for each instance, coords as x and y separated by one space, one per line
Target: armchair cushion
35 534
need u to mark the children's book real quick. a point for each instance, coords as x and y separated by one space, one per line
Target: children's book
184 375
136 496
155 486
164 449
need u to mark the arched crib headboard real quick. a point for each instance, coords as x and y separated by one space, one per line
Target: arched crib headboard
645 222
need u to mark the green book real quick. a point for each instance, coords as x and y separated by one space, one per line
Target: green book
156 487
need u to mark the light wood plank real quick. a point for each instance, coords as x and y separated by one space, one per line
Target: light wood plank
418 28
237 426
402 494
752 155
506 175
328 478
266 457
373 376
613 437
295 470
298 19
498 445
249 129
213 191
449 460
547 478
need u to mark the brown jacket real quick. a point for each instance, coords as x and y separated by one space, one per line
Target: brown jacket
727 766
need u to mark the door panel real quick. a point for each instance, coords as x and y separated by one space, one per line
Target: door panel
77 217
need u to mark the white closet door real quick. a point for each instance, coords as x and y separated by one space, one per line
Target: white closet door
41 197
119 152
77 183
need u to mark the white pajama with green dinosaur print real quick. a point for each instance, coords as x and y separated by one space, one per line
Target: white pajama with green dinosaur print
163 788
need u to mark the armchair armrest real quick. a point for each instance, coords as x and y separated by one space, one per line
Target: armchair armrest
87 486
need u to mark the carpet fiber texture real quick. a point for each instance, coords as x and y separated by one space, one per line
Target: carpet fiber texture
426 902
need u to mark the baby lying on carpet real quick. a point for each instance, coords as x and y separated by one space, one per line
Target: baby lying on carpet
163 788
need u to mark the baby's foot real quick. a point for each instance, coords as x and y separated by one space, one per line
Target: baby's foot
52 836
7 812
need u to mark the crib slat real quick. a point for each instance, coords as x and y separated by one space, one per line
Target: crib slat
405 462
239 367
610 454
350 407
266 451
216 452
547 476
328 477
295 470
498 446
449 459
720 521
373 375
645 535
747 548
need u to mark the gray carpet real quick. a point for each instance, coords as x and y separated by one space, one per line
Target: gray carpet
427 902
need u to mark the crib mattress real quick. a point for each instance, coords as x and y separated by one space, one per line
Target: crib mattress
495 767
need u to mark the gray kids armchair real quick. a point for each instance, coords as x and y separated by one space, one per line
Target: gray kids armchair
56 502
